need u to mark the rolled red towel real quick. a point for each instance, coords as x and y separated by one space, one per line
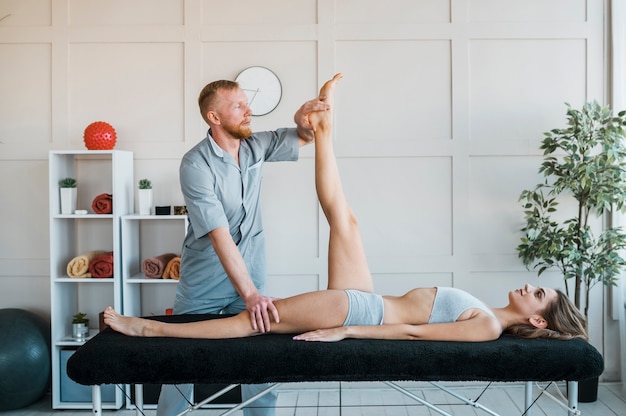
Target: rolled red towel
103 204
102 266
154 267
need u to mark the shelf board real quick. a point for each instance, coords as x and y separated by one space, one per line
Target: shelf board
86 154
154 217
69 341
145 280
74 216
84 280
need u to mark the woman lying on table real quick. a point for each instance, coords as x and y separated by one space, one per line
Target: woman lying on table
350 309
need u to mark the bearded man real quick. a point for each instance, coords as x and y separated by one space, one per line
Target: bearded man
223 262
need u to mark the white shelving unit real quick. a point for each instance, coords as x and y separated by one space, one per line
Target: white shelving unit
142 237
71 235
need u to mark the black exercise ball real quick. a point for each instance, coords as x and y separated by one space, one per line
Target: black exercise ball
24 358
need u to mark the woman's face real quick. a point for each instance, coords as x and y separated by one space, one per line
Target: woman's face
532 300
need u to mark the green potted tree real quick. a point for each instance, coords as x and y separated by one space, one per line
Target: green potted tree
145 197
586 163
68 195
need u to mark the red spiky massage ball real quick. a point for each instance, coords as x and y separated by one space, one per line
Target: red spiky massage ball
100 136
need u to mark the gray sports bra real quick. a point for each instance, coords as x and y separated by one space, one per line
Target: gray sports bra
451 302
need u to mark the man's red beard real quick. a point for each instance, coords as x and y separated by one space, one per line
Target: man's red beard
237 131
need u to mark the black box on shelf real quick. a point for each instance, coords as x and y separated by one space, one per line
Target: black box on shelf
163 210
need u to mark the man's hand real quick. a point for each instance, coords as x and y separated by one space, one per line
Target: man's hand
260 307
301 118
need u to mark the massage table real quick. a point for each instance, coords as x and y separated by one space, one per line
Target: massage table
113 358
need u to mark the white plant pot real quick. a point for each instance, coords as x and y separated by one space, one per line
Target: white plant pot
145 201
68 200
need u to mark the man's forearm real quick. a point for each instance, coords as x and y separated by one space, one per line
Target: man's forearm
233 263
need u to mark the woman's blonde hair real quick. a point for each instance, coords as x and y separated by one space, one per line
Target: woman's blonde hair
564 319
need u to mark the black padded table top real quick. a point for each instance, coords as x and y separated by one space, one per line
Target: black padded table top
113 358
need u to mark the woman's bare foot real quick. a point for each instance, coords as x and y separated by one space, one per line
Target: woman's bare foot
127 325
323 119
328 88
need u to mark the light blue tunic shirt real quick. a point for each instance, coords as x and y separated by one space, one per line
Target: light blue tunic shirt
220 193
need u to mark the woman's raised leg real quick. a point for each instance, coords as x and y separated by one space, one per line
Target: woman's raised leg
347 264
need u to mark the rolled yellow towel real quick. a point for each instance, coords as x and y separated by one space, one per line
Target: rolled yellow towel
172 270
79 265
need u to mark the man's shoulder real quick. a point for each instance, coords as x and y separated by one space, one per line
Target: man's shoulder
267 139
198 151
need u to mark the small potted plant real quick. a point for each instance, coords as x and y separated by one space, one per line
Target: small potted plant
80 326
145 197
68 195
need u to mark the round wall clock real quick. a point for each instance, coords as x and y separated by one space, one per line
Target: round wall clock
262 87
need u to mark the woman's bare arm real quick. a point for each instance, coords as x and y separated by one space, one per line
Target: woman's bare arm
479 328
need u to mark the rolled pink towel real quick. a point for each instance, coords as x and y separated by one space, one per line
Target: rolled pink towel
153 267
102 266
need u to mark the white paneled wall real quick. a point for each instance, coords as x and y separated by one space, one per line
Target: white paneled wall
438 121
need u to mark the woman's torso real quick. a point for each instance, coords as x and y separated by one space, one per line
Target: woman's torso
416 307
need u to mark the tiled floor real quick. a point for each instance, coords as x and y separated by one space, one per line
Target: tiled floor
357 399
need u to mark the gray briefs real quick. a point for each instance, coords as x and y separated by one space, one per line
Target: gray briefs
364 308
